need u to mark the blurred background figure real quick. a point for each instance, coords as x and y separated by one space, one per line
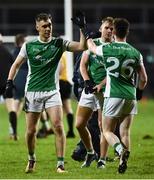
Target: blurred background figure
65 91
6 60
45 128
19 84
20 79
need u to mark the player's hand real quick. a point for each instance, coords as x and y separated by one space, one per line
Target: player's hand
79 20
139 94
94 34
98 88
90 34
89 86
9 89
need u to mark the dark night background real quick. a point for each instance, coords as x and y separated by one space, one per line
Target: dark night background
18 17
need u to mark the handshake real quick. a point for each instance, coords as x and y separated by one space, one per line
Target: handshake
80 21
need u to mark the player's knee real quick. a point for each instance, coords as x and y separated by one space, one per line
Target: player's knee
105 133
58 129
31 131
79 124
124 132
124 136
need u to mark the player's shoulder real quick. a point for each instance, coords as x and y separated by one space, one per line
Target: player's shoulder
32 41
98 42
134 49
57 41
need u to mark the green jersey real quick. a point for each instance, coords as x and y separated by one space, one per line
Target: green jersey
96 69
121 61
43 59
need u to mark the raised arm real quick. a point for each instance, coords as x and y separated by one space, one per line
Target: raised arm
85 34
88 83
78 46
79 20
91 46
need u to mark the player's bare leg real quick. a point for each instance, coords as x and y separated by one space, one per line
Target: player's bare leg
31 124
82 116
55 114
125 131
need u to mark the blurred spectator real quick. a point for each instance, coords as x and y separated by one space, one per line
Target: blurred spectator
19 83
65 91
6 60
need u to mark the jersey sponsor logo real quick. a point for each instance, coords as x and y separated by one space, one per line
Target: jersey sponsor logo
52 47
38 57
35 50
43 60
99 62
122 47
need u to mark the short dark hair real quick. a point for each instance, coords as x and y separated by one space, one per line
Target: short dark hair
108 19
19 39
121 26
42 16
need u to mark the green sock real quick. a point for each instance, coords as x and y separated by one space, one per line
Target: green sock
60 161
32 156
60 158
103 158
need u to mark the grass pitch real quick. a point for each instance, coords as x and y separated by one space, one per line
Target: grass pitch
13 155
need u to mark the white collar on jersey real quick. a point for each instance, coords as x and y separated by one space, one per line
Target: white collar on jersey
43 41
121 42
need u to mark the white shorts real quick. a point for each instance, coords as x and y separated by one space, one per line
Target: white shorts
92 101
118 107
38 101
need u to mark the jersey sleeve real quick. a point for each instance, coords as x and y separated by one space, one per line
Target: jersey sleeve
23 52
99 50
141 60
65 45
